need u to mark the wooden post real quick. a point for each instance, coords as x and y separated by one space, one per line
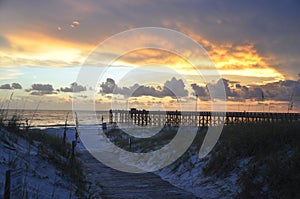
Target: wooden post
7 185
65 129
73 149
110 116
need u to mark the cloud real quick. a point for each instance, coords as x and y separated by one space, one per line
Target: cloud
150 56
282 90
277 91
75 23
172 88
141 90
240 58
74 87
16 86
200 91
41 89
218 90
108 86
12 86
28 50
234 91
5 86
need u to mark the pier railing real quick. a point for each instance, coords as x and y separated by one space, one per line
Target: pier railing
201 119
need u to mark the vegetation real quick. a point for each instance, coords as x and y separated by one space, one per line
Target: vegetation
52 148
274 159
144 145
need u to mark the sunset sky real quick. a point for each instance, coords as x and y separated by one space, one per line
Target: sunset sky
254 45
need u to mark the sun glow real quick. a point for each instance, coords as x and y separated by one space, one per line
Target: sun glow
35 48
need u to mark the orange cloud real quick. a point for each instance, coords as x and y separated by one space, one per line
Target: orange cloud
240 60
36 48
155 56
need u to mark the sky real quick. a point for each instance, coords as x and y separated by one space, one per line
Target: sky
254 46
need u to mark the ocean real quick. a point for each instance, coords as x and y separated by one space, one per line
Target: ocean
53 118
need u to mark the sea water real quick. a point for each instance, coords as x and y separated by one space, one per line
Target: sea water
55 118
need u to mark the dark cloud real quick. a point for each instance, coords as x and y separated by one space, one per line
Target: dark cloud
282 91
218 90
5 86
278 91
201 92
172 88
16 86
140 90
234 91
41 89
108 86
74 87
12 86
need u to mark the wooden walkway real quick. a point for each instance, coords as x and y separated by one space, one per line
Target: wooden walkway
201 119
115 184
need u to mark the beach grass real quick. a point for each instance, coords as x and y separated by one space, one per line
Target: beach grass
52 148
274 158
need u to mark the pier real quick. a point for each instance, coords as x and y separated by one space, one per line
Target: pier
200 119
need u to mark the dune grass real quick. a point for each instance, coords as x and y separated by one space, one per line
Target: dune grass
144 145
52 148
274 159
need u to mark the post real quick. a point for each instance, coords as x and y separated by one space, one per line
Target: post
7 185
65 129
110 116
73 149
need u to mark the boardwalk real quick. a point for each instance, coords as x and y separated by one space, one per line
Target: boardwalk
177 118
117 184
111 183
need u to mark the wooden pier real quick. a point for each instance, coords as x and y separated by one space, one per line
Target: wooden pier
200 119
